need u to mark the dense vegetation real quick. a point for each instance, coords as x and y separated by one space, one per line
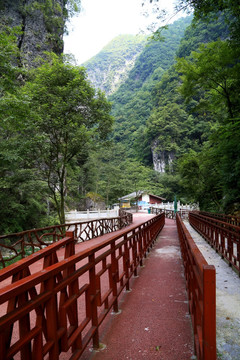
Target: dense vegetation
180 98
132 103
189 111
49 118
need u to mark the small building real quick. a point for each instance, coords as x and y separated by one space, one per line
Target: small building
142 198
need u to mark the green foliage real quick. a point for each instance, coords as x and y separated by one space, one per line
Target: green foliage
211 74
200 178
227 144
66 114
49 118
204 9
54 126
9 54
215 69
132 102
203 31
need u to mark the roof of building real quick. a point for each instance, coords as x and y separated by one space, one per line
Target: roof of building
138 194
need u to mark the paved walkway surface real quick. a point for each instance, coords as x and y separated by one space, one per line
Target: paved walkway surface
154 322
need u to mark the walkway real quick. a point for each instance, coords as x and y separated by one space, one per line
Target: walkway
154 322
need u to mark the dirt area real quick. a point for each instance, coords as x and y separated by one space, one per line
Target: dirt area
227 300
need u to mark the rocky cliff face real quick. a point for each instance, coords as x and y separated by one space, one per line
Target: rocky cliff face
41 24
162 160
110 68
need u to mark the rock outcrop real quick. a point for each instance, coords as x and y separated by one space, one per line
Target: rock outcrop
41 24
111 66
162 159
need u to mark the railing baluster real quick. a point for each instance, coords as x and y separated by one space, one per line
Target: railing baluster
209 308
126 261
93 300
114 275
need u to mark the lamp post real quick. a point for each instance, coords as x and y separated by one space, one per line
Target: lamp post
175 204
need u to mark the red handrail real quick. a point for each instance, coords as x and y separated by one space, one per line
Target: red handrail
201 288
63 305
36 239
231 219
222 236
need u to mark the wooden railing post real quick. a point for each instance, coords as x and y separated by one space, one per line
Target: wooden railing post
93 299
134 252
52 319
70 248
126 261
114 275
209 308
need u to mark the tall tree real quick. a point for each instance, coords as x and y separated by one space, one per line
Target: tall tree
67 114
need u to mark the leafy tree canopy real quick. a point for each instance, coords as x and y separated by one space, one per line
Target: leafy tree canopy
66 113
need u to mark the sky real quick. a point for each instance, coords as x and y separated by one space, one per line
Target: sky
102 20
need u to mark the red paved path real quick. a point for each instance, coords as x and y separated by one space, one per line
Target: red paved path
154 322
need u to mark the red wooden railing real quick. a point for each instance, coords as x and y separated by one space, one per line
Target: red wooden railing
61 307
201 288
222 236
170 214
20 244
231 219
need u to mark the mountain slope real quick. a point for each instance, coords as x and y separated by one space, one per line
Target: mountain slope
132 102
110 67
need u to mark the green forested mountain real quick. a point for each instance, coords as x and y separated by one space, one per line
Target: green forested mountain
177 111
132 102
167 116
109 68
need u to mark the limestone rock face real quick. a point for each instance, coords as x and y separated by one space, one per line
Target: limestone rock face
161 159
42 27
111 66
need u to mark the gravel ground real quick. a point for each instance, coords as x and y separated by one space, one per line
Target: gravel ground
227 300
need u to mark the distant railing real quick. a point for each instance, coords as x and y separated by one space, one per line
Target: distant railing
230 219
18 245
222 236
62 306
170 214
76 216
201 288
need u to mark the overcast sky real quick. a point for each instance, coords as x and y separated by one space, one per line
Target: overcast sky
102 20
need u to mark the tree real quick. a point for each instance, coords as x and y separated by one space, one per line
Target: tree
66 115
201 179
203 8
215 69
22 195
9 54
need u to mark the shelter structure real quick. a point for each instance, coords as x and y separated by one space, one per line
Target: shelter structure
141 198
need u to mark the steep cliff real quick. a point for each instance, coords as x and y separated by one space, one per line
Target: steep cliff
41 24
110 68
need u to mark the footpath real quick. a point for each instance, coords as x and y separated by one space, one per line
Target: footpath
154 321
